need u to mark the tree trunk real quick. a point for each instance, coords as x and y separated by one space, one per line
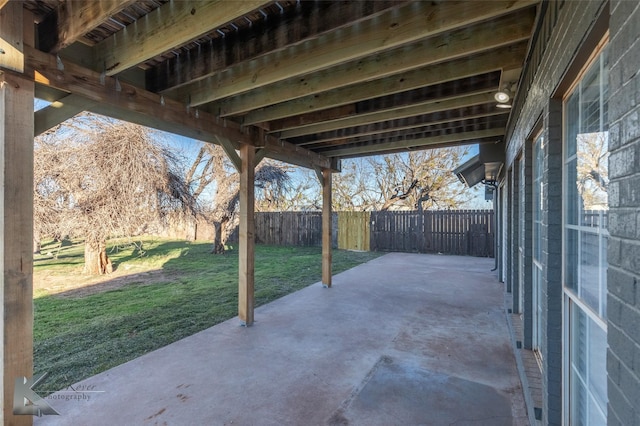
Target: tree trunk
96 261
220 236
37 246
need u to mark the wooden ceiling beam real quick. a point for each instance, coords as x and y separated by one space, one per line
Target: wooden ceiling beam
312 118
380 129
109 90
165 28
508 57
299 156
380 148
127 102
444 47
115 110
73 19
427 107
460 126
469 85
424 147
306 21
394 28
272 148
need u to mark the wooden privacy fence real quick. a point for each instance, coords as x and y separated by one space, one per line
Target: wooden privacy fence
462 232
291 228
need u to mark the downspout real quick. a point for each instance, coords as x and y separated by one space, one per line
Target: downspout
494 185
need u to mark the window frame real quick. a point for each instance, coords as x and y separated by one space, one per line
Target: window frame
571 298
537 270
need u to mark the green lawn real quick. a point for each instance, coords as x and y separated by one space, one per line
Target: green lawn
79 333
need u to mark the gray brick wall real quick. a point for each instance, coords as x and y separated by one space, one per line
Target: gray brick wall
552 265
514 187
575 21
623 334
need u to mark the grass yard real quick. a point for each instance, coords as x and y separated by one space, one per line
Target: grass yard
85 325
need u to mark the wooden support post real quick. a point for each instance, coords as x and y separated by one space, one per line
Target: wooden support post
326 228
247 234
16 209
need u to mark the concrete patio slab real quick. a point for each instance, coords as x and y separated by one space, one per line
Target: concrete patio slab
404 339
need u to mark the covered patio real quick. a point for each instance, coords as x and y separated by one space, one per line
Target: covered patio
405 339
402 339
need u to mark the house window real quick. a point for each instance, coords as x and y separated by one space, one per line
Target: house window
586 136
521 232
538 168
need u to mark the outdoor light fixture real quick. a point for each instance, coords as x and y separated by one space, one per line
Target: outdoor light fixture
504 96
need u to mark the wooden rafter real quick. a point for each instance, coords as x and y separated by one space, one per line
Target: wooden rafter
459 126
400 26
73 19
306 21
458 44
449 144
380 129
427 107
156 34
380 148
508 57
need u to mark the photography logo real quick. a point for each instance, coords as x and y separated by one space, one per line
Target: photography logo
26 401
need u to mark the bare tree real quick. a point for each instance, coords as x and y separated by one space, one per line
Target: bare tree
211 167
354 187
97 178
592 169
415 180
419 179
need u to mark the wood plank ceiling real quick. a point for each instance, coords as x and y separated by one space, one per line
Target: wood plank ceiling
304 81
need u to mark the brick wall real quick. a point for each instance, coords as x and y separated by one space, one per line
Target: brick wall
575 21
514 187
551 346
623 358
526 214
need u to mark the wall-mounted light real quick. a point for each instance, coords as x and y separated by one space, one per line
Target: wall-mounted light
504 96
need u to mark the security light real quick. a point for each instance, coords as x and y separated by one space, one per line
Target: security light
502 96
